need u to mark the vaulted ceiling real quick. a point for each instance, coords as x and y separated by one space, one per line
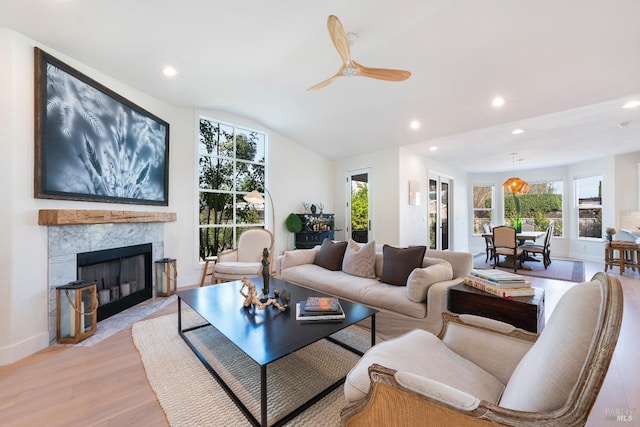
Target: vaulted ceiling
564 69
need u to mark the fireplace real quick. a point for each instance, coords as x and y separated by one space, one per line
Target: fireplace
122 276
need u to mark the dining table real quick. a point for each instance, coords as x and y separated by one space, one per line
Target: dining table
522 237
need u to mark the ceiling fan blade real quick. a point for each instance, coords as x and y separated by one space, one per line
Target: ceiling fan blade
339 38
382 73
323 83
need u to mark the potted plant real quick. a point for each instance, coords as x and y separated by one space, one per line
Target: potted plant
293 224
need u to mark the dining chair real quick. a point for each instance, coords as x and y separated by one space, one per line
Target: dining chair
528 227
505 243
488 242
544 249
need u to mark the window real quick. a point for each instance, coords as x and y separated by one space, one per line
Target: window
540 207
231 163
482 207
589 205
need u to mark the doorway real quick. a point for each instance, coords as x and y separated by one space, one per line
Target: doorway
440 188
358 215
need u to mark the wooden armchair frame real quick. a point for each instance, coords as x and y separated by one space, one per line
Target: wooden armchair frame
393 398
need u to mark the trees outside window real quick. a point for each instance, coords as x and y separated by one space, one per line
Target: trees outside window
231 163
588 192
483 196
540 206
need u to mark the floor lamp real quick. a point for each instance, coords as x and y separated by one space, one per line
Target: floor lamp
256 197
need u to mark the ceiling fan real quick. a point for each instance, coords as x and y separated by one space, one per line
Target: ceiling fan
350 67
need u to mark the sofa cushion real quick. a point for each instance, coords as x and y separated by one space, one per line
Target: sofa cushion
330 255
398 263
436 362
360 260
360 289
421 279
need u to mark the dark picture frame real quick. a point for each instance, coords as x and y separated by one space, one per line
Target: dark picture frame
92 144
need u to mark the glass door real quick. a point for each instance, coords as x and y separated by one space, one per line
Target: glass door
439 202
358 218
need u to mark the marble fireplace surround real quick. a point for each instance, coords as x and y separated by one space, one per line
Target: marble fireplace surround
75 231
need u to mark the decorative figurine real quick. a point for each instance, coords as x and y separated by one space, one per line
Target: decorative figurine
251 297
265 274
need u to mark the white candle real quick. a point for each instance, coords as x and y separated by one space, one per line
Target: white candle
82 317
164 282
72 321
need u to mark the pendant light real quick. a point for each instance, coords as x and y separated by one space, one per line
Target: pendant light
514 184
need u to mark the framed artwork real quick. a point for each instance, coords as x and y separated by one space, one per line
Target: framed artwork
92 144
414 193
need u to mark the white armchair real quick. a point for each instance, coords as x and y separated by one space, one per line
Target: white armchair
246 259
482 372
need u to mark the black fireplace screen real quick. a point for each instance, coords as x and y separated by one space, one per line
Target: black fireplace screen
122 276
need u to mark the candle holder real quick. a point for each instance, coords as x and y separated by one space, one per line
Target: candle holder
76 311
166 277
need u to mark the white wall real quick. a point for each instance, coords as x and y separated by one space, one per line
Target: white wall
394 222
23 245
414 219
383 195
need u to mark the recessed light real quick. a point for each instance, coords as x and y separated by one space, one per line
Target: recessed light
434 148
517 131
169 71
497 101
632 104
415 125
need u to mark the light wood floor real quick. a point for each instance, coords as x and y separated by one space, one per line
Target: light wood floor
105 385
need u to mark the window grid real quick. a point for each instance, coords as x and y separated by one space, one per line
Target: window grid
232 163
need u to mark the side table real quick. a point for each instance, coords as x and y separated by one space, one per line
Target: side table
522 312
205 269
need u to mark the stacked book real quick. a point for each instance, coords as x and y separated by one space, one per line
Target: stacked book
319 309
500 283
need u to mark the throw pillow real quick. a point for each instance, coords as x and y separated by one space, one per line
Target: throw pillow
421 279
398 263
360 260
330 255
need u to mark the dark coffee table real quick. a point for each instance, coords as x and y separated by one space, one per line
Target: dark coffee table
522 312
275 336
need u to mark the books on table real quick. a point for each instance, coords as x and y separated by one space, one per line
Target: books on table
314 310
322 304
505 290
501 279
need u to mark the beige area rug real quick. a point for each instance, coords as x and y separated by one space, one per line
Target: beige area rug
190 396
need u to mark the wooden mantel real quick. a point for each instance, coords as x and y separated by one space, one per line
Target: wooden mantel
79 216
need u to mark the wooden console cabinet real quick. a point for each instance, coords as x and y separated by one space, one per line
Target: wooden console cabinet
522 312
315 227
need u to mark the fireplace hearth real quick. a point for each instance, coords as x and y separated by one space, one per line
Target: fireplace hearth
122 276
67 241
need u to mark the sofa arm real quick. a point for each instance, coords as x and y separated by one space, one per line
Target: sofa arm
401 399
495 346
297 257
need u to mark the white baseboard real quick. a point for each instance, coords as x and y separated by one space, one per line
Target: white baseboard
17 351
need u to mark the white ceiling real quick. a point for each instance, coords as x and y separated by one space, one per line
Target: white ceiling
564 67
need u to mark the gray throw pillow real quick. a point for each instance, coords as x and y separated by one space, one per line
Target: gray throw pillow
398 263
330 255
360 260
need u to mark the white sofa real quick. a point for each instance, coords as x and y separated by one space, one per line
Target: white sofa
399 311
